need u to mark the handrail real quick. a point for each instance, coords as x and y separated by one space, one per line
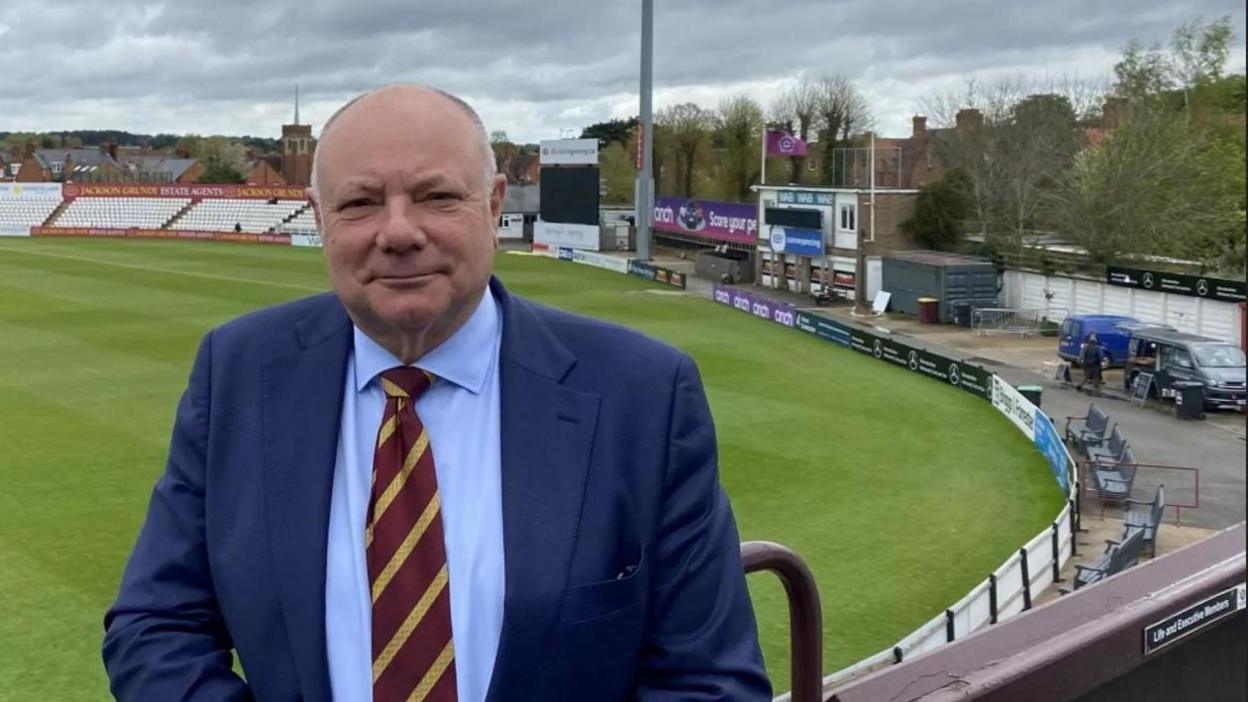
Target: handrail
805 614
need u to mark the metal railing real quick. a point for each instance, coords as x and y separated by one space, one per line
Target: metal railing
805 614
1006 320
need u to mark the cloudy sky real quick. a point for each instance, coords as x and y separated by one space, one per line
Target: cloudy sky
537 67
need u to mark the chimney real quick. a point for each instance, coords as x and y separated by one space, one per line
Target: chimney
920 127
182 152
969 118
111 147
30 148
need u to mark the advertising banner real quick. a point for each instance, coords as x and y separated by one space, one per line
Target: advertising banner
14 230
49 191
966 376
545 249
1014 406
572 236
658 274
1177 283
256 192
569 152
597 260
305 240
707 219
779 312
1050 445
792 240
823 328
239 237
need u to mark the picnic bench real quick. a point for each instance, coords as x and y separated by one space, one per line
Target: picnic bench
1146 517
1088 430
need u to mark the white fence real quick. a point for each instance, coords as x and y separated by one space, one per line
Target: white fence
1007 591
1058 296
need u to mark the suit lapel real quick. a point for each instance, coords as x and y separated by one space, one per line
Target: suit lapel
547 436
302 402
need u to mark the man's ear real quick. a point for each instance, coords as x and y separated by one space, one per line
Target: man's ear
316 207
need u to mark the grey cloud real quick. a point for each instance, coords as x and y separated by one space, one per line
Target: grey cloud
531 61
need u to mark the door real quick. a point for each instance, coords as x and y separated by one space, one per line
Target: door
1072 338
1174 363
875 276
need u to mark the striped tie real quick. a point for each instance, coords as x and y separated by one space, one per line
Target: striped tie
413 656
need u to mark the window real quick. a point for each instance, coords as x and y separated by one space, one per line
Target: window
57 167
1182 359
849 220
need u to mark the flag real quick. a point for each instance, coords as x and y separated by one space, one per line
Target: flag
784 144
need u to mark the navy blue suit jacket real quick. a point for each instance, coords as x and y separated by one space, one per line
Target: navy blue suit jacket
608 466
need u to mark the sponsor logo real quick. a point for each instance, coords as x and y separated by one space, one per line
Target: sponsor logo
953 375
1148 280
723 297
877 349
913 361
1202 287
777 239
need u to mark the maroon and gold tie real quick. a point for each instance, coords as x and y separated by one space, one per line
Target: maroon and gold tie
413 656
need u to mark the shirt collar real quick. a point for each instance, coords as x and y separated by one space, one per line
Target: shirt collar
464 359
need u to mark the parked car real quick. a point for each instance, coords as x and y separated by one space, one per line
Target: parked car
1173 356
1111 329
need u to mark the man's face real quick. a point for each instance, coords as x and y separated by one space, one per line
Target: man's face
407 219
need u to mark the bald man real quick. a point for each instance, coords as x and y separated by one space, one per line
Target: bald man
422 487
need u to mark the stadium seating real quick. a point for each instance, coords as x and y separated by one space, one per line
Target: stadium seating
1145 516
255 216
27 211
1118 557
303 223
142 212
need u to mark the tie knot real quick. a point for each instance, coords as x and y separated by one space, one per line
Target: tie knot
406 381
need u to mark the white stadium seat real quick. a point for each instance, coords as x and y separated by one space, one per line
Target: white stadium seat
222 214
120 212
27 211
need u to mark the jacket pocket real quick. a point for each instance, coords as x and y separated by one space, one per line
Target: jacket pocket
599 599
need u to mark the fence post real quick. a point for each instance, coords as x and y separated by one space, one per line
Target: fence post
1074 529
1026 579
1079 504
949 625
992 597
1057 556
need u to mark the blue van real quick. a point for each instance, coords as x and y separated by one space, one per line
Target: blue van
1113 330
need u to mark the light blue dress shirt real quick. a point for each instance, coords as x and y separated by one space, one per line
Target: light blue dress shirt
461 415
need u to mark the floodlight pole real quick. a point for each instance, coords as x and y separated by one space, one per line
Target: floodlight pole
645 180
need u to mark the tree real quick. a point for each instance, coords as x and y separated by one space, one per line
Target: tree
221 173
613 131
227 153
738 132
616 172
940 210
797 111
1155 187
1199 52
689 127
502 147
841 111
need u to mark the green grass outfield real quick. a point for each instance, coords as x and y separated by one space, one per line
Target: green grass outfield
900 493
